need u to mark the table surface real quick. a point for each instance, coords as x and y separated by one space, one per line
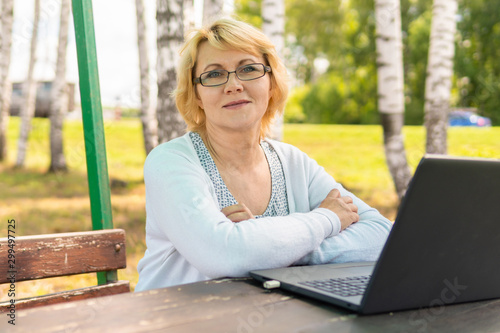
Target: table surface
242 306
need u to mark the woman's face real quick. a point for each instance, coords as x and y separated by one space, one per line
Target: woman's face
236 105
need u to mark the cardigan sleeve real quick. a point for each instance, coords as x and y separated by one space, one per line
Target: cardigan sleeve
181 208
361 241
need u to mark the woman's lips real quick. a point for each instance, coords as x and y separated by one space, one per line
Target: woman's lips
236 104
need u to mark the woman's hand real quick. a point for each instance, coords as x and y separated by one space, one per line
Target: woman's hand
342 206
237 213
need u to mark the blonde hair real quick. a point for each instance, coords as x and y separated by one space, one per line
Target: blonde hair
228 34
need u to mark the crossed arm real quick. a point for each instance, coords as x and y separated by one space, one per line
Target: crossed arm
330 224
361 239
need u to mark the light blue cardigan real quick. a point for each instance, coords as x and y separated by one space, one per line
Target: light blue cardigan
188 238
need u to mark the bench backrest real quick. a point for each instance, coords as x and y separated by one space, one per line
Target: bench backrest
53 255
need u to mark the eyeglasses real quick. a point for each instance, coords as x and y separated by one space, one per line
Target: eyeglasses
219 77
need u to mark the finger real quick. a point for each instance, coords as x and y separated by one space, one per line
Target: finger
347 200
239 216
334 193
356 218
233 209
353 217
353 208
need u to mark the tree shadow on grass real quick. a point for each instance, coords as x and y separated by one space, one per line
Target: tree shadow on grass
43 203
26 183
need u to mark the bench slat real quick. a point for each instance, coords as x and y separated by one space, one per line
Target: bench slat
52 255
66 296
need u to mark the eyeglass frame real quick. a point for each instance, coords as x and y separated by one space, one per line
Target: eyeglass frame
267 69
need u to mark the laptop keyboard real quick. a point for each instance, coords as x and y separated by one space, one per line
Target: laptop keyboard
349 286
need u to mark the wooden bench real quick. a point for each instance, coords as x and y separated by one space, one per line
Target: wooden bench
53 255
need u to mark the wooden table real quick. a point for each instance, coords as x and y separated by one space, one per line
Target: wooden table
241 306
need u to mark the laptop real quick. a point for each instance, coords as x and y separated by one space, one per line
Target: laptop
443 248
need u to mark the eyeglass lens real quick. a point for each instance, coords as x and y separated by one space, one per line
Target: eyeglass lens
244 73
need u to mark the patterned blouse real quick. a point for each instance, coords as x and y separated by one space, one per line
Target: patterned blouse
278 205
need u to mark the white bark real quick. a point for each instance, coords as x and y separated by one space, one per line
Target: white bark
189 15
389 57
390 89
170 36
273 26
29 94
439 74
148 116
6 21
212 9
59 98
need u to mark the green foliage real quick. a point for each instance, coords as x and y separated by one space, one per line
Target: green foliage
415 64
249 11
339 100
315 27
343 32
477 68
294 112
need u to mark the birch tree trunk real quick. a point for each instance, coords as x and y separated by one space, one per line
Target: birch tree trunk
212 9
439 74
148 117
6 21
170 35
29 94
273 26
59 95
189 15
390 89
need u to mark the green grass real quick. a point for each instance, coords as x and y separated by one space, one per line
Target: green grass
354 155
46 203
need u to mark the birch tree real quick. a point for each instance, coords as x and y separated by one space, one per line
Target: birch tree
189 15
273 26
59 95
148 117
439 74
212 9
29 94
390 89
170 35
6 21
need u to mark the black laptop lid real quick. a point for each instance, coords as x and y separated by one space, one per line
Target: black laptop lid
445 242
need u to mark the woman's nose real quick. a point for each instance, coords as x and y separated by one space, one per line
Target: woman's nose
233 84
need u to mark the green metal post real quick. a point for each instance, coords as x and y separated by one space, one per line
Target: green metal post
95 146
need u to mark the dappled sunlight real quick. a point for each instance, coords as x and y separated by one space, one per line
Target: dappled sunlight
15 207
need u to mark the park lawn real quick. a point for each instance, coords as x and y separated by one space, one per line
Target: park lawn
354 155
47 203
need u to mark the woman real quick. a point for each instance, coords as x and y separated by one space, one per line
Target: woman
222 200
